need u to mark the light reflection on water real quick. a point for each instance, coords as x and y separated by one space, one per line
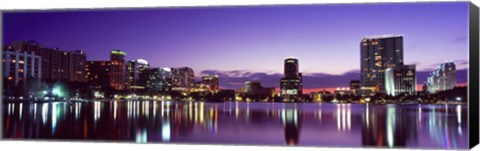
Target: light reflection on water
309 124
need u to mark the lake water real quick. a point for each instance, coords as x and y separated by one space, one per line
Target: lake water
303 124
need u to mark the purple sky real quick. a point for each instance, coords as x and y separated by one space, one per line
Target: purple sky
247 41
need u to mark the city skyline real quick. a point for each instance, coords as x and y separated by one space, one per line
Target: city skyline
374 75
269 80
241 52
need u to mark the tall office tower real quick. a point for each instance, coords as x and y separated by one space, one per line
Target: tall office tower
59 64
159 80
401 79
20 66
443 78
291 83
183 78
212 82
56 64
98 74
77 65
378 53
137 73
117 69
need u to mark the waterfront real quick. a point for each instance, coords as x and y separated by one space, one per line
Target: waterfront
302 124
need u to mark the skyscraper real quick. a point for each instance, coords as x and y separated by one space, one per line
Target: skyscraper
401 79
98 74
211 81
137 73
291 83
117 69
378 53
160 80
77 65
443 78
183 78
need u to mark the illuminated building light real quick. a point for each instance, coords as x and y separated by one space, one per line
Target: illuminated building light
118 52
382 36
166 131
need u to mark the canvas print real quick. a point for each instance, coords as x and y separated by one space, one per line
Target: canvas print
379 75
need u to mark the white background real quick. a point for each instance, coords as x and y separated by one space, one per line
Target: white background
74 146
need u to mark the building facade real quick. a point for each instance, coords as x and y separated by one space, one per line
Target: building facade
77 66
355 84
443 78
56 64
212 82
401 79
98 74
183 78
377 54
118 68
160 80
137 71
19 66
255 90
291 82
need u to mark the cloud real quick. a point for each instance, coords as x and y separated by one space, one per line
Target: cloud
461 39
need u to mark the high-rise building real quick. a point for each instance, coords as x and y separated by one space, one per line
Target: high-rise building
443 78
211 81
59 64
56 64
77 65
98 74
291 83
19 66
183 78
401 79
137 74
160 80
377 54
117 69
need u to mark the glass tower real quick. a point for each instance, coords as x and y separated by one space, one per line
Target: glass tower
377 54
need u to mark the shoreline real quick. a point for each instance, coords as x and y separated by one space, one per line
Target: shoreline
61 101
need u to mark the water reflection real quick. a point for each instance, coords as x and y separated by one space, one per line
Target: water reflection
344 117
388 126
292 120
424 126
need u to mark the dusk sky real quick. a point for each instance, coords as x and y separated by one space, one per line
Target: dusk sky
251 42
